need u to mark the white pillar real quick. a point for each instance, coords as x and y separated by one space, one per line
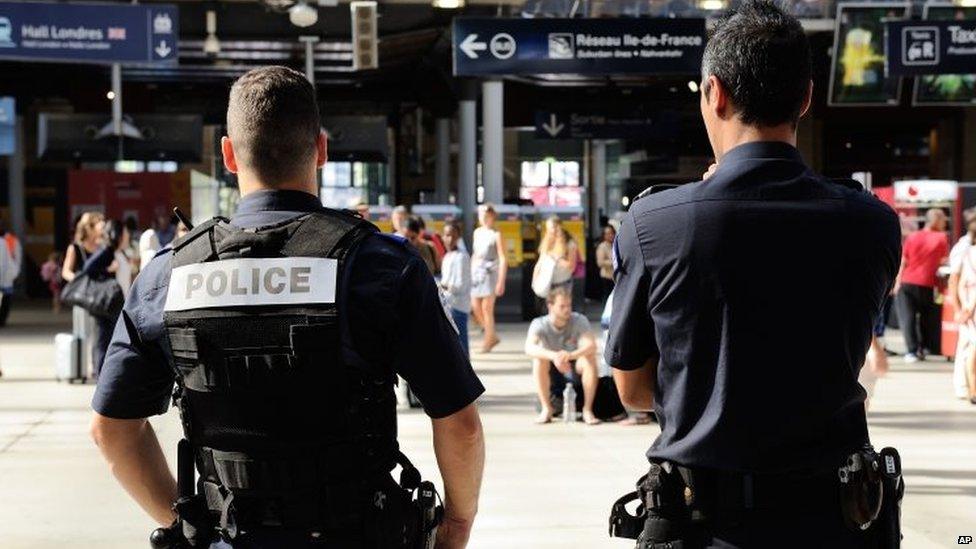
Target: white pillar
492 125
442 160
467 162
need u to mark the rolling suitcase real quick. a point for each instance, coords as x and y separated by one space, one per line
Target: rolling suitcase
67 358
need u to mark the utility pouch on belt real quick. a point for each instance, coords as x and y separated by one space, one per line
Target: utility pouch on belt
871 492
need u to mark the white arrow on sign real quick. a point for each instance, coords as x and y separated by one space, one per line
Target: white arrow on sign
470 46
163 50
553 127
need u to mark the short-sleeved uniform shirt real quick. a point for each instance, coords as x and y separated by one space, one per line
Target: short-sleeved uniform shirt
389 309
555 339
923 253
756 291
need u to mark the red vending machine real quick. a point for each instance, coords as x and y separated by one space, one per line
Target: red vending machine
912 199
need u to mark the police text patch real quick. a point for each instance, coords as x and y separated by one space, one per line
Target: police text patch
252 282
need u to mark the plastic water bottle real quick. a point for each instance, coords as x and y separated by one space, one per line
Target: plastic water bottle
569 403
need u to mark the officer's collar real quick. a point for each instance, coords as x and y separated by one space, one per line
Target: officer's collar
762 149
278 200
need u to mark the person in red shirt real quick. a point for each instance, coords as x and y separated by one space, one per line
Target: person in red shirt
922 254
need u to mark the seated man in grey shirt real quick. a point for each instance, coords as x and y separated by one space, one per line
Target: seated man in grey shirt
563 339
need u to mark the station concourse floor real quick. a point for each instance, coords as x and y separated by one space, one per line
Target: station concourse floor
545 486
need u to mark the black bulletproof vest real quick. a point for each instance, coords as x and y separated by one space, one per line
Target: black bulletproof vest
279 425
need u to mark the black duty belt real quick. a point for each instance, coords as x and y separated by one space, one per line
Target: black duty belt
722 490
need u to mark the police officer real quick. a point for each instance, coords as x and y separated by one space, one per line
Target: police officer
283 330
742 313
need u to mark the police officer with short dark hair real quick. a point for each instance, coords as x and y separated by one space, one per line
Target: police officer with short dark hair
742 313
283 329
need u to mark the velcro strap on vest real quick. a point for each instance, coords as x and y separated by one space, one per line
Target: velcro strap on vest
314 468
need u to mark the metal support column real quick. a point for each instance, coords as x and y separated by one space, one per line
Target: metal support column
467 162
117 105
442 160
492 126
598 154
309 42
15 183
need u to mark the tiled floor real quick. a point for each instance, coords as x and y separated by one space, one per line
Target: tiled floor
545 486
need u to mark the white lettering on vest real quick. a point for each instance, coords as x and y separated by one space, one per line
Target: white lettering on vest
253 282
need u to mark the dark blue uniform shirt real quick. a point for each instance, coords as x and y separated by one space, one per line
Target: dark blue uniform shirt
756 291
389 308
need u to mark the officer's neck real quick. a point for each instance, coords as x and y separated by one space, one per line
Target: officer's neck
249 185
735 133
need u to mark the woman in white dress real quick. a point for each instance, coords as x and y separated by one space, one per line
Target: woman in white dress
488 270
965 318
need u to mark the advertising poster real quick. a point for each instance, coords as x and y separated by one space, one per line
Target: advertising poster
857 76
946 89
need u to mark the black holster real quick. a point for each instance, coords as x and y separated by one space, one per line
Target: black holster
666 513
194 525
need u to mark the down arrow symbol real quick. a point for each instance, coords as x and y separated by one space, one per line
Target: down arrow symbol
553 127
163 50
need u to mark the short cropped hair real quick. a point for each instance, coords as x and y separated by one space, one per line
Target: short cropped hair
761 55
273 122
558 291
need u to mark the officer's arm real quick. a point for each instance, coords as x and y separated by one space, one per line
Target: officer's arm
459 445
135 383
631 340
636 387
135 458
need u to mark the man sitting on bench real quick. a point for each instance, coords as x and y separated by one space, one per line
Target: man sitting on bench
562 339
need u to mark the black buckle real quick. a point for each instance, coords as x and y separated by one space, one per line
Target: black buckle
622 523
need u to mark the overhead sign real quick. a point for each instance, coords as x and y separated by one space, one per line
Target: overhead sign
89 33
577 46
8 126
580 125
926 190
931 47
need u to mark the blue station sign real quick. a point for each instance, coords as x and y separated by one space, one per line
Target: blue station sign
8 125
930 47
577 46
89 33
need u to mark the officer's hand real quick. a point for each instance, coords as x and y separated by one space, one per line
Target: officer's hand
453 533
710 171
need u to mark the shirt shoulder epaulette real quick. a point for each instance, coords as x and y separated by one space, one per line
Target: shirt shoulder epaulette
654 189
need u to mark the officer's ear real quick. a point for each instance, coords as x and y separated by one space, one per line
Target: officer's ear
807 100
321 149
227 151
716 96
